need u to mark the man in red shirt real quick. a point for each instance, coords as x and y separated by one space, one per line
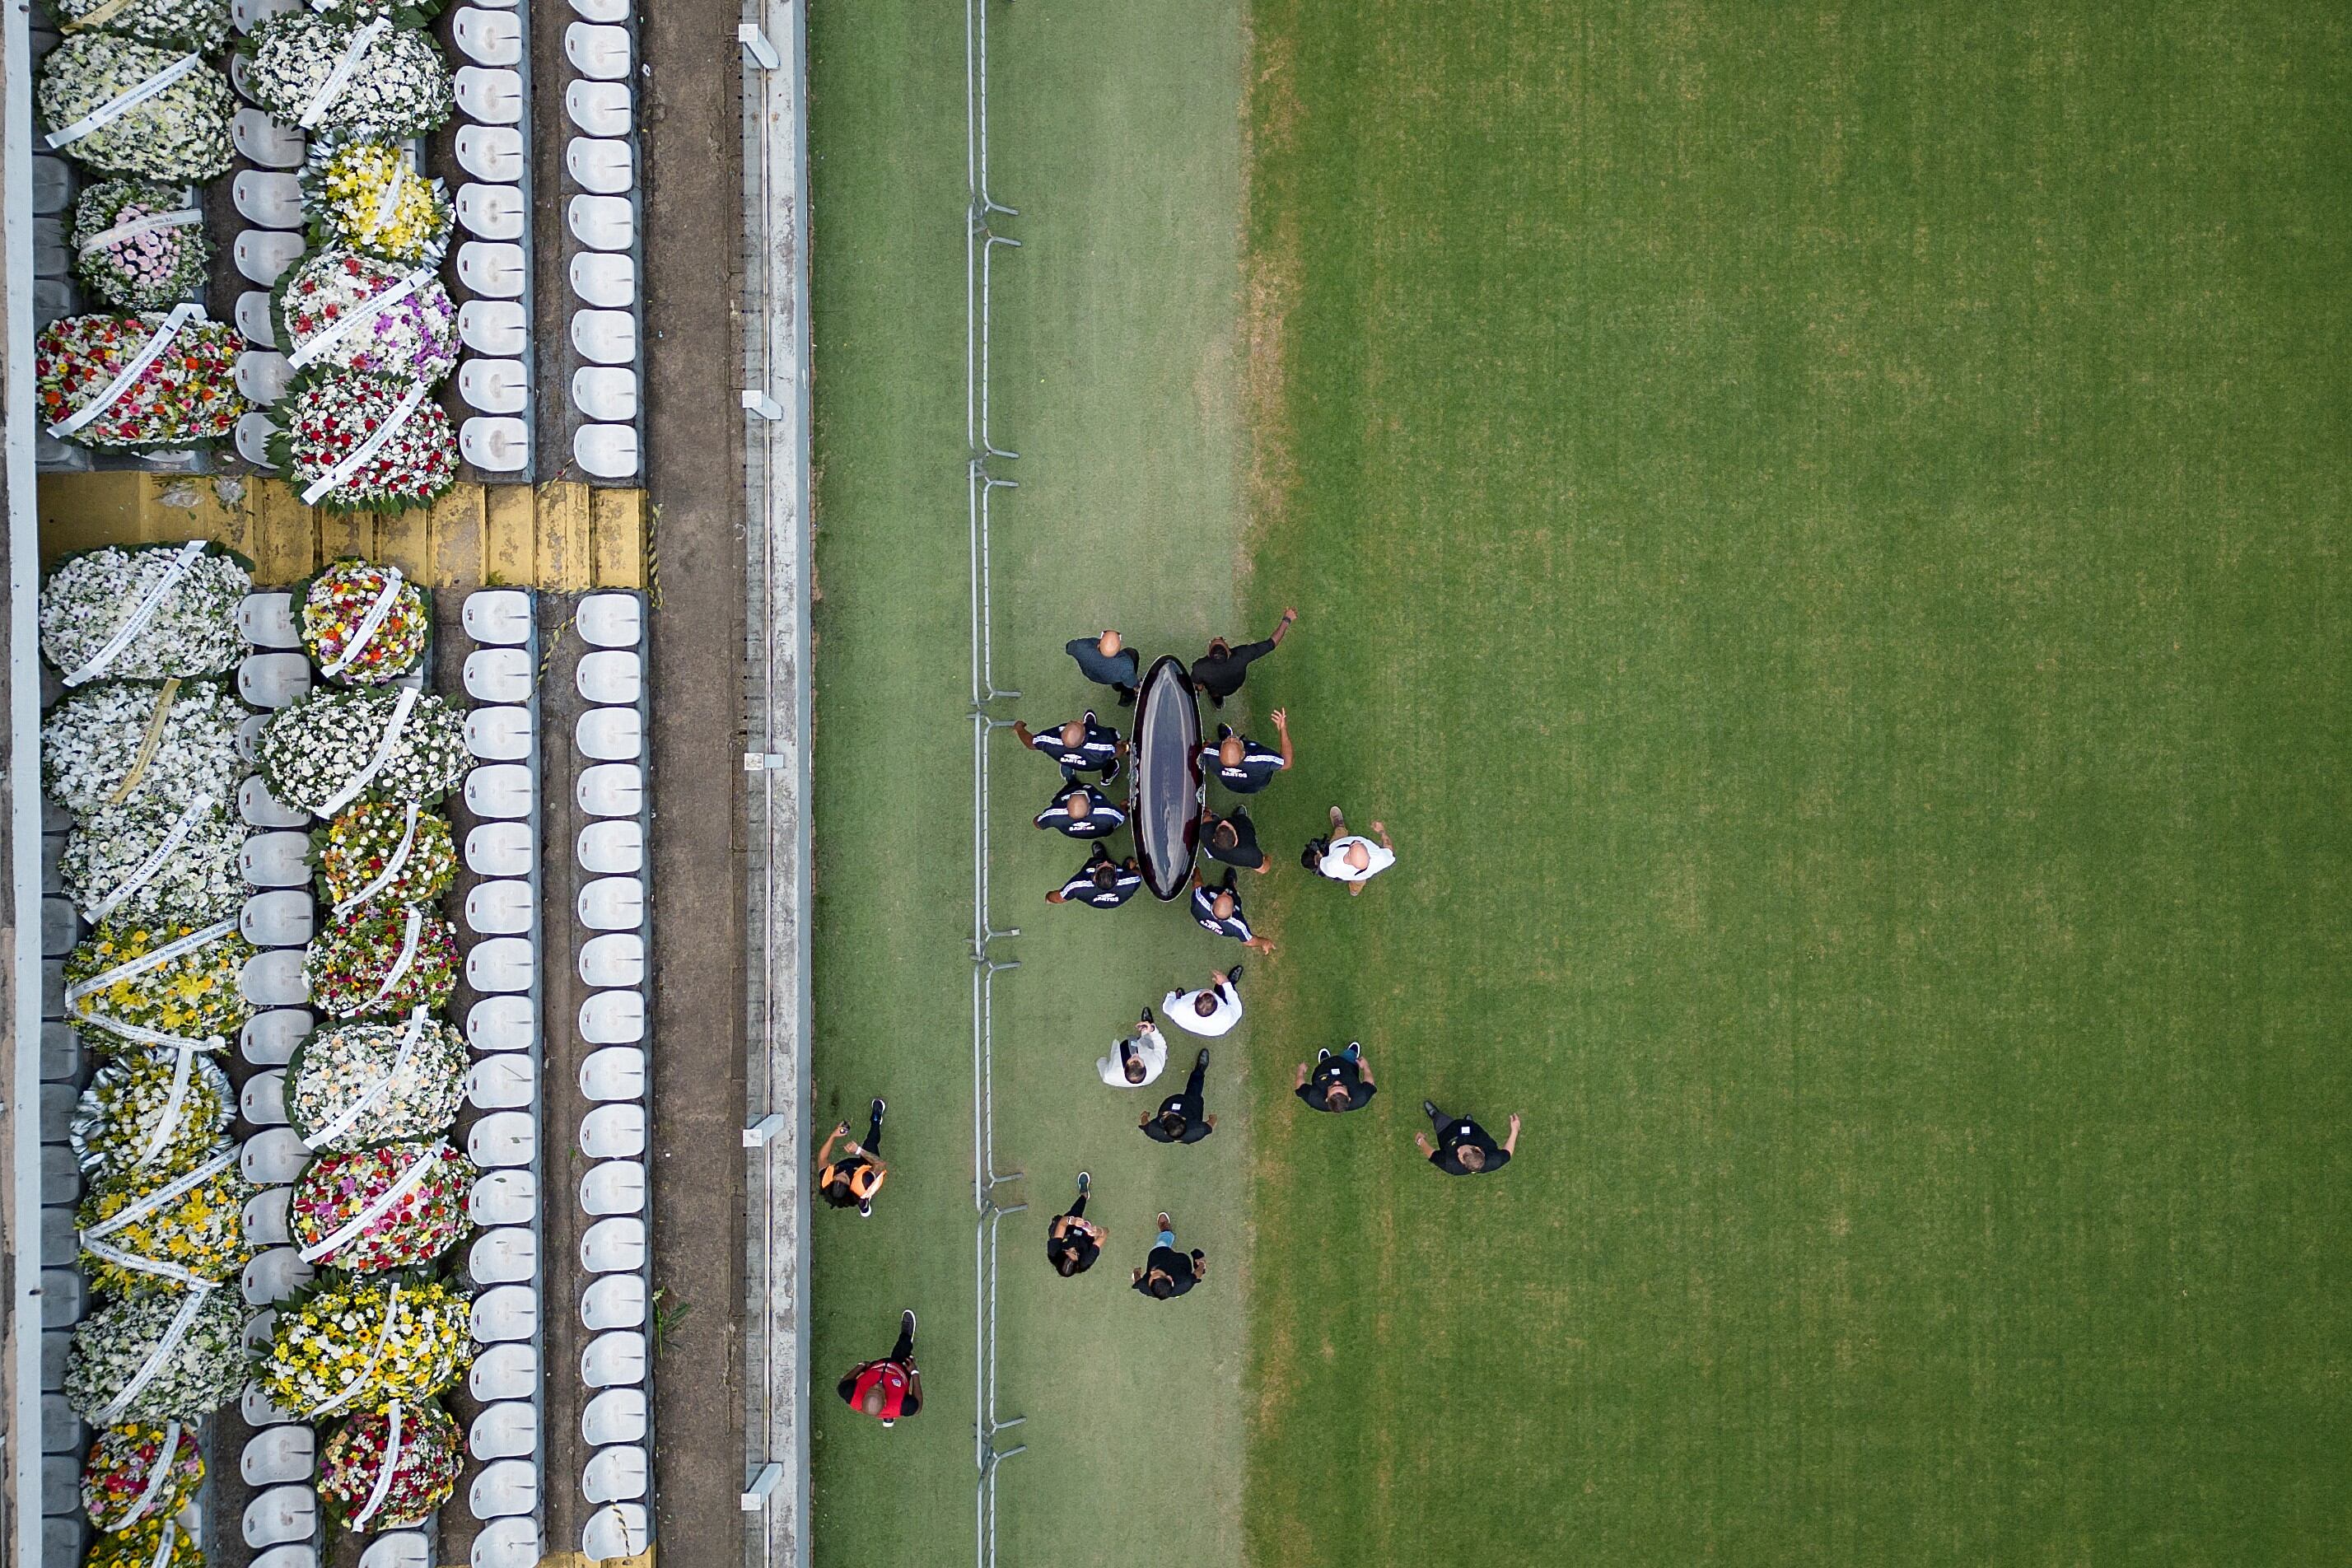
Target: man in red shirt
888 1388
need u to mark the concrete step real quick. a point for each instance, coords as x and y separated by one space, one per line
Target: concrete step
563 536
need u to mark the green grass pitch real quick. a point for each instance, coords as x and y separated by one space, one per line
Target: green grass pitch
1822 534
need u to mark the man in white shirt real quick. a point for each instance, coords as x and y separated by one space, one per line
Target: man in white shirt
1349 858
1137 1059
1212 1010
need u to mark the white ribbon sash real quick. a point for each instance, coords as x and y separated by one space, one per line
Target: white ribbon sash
131 1214
387 200
140 965
401 708
121 103
131 228
148 601
409 1040
382 1206
415 928
393 866
180 317
383 1487
367 1374
371 623
144 872
156 1478
165 1538
367 449
341 76
153 1367
139 1265
183 1064
358 316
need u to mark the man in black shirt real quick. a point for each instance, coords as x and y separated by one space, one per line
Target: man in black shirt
1220 671
1101 883
1106 662
1219 909
1339 1083
1083 811
1081 746
1072 1242
1179 1118
1168 1273
1240 764
1463 1149
1233 841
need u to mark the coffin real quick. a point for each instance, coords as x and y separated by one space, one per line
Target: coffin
1167 787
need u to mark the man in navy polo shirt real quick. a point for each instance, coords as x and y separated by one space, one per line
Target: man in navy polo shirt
1083 811
1080 745
1219 909
1240 764
1102 883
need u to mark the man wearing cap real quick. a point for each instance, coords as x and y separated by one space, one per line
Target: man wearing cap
1136 1060
1339 1083
1463 1149
1168 1273
1106 661
1080 745
1221 671
1212 1010
1233 841
1101 883
1179 1118
1219 911
1240 764
1083 811
888 1388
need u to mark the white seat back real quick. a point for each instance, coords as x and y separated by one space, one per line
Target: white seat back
614 1186
614 1132
601 222
501 1023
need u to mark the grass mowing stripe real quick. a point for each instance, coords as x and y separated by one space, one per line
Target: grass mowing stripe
1841 613
1116 131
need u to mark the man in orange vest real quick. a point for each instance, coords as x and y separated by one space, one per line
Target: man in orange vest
858 1174
891 1387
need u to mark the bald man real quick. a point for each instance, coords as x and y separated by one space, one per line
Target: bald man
1082 811
1107 661
1080 745
888 1388
1240 764
1219 911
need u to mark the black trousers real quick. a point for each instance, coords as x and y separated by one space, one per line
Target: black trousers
1193 1084
874 1133
1439 1119
1078 1210
904 1350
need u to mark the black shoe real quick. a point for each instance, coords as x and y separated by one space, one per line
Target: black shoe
1204 1062
1085 1183
1323 1054
1429 1109
1149 1019
880 1106
906 1320
1126 696
1234 975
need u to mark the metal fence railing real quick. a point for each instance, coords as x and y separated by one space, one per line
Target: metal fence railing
981 244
